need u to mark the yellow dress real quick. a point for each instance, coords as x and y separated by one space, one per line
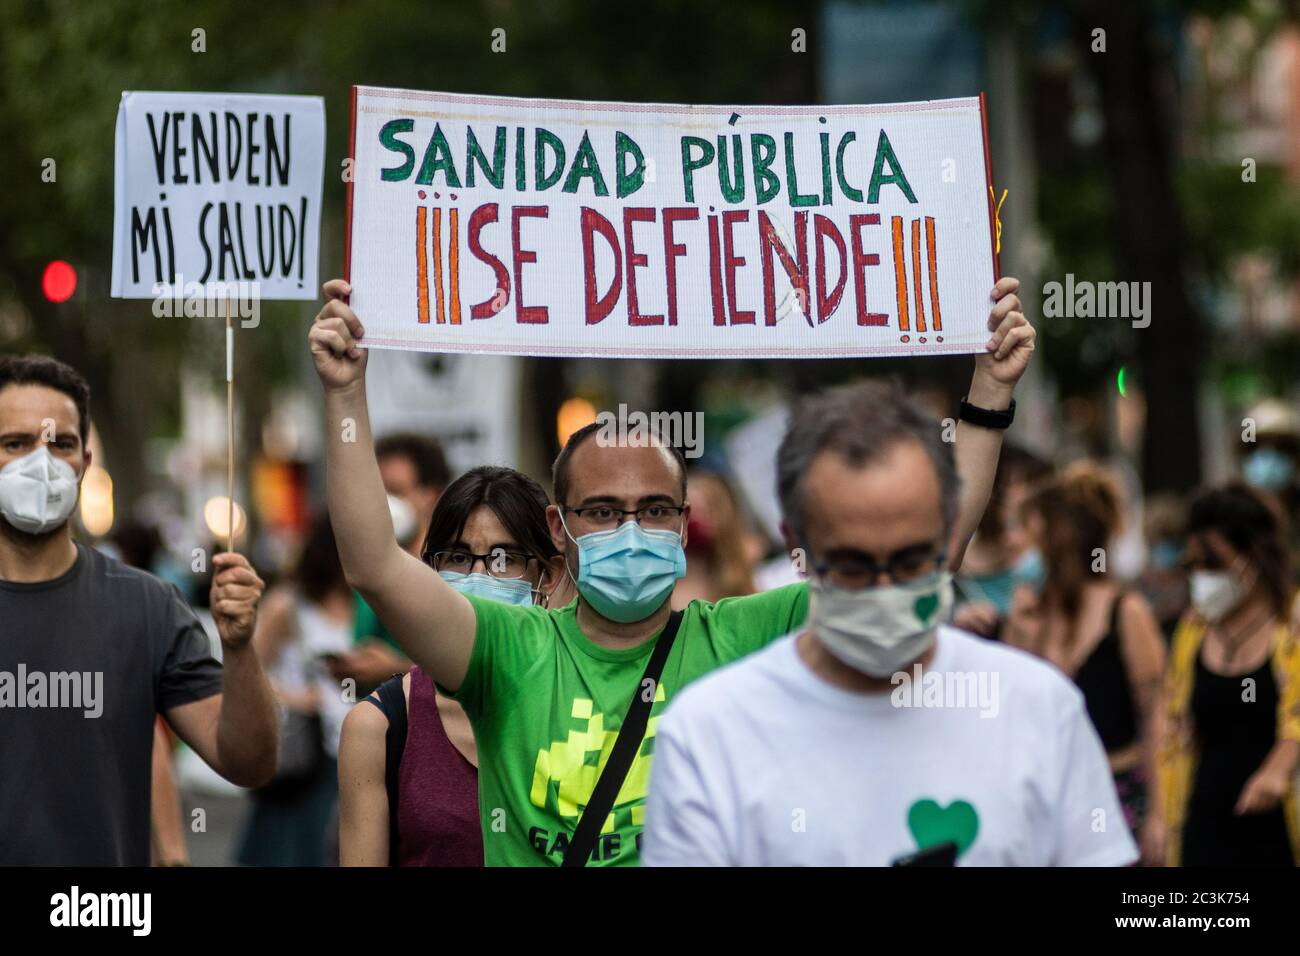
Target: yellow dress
1176 760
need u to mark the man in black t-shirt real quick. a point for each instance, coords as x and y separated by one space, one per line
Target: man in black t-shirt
91 650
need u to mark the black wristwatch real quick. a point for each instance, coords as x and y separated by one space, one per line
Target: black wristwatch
986 417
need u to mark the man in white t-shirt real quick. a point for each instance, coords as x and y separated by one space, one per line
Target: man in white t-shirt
878 735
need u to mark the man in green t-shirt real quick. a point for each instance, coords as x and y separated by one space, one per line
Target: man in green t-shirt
546 689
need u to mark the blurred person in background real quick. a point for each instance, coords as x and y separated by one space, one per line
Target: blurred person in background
408 765
995 562
306 623
414 470
1100 633
722 551
1164 579
1232 695
168 847
1271 464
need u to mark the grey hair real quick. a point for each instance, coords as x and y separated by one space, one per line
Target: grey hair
860 421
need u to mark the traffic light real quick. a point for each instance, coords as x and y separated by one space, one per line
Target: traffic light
59 281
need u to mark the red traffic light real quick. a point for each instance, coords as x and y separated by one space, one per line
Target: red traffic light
59 281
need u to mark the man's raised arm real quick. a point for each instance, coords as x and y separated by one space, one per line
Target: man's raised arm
432 622
997 371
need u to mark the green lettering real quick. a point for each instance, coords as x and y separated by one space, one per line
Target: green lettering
733 188
885 153
584 164
437 158
627 183
542 179
496 173
388 139
766 183
690 165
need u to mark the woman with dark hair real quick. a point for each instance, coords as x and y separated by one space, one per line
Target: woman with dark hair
1100 633
408 778
304 623
1232 740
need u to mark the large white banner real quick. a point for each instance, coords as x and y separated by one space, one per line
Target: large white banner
551 227
217 192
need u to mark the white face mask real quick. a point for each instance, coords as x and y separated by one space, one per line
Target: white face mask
405 525
38 492
1216 594
879 631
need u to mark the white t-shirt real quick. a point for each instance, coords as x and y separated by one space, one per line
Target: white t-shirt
763 763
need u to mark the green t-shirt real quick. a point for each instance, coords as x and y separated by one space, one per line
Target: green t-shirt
367 626
546 705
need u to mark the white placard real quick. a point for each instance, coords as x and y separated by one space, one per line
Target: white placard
551 227
219 191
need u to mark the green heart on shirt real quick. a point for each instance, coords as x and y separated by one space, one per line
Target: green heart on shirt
932 824
925 607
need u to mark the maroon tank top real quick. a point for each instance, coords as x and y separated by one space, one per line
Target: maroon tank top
437 802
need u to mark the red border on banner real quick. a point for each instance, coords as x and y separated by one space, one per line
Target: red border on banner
347 207
988 175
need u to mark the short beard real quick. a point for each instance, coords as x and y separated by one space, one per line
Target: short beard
27 540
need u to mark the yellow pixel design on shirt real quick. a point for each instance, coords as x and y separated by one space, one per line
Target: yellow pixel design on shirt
567 764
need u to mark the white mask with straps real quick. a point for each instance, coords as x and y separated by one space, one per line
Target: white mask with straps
38 492
880 630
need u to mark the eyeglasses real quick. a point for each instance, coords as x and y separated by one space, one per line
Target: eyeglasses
605 517
857 572
499 563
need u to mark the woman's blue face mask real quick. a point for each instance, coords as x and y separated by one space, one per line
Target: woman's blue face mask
627 573
1268 469
505 590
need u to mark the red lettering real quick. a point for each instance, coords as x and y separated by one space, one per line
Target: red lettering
597 308
672 250
489 307
860 261
634 259
715 274
823 228
768 242
536 314
731 262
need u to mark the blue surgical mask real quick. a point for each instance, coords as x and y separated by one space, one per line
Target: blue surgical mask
1268 469
626 573
1165 554
505 590
1030 568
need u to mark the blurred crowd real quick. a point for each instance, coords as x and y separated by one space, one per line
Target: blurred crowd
1051 570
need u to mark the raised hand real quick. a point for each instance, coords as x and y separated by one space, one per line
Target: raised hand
1012 342
334 339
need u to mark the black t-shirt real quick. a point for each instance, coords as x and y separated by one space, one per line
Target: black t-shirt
86 662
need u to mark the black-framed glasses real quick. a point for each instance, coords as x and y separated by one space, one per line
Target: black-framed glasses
604 517
499 563
859 571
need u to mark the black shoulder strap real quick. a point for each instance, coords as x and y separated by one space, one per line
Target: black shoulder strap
394 700
630 736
